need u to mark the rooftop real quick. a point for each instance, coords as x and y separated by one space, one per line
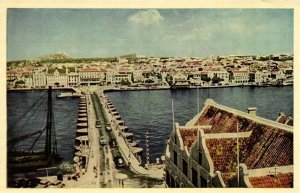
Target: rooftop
188 136
262 143
281 180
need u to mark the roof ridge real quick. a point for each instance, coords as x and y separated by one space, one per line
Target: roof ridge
211 102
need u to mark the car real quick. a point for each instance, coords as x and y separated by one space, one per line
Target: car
119 161
103 140
98 124
113 143
108 127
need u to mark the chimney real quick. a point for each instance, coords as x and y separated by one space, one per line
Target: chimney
252 110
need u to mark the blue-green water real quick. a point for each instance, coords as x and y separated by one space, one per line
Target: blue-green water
65 117
142 111
152 110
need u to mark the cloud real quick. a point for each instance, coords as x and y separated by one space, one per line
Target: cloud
146 17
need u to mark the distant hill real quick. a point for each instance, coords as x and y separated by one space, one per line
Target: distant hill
55 56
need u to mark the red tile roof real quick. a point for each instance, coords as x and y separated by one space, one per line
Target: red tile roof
188 136
280 180
267 146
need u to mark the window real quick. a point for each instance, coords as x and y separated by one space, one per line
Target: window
175 157
167 179
203 182
185 167
172 182
200 157
194 177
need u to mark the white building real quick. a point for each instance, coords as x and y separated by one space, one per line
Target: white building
224 75
90 76
73 79
29 82
256 77
239 77
122 74
57 79
39 79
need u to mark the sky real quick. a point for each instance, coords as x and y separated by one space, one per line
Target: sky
32 33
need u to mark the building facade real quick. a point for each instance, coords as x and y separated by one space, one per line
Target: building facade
239 77
90 76
57 79
224 147
39 79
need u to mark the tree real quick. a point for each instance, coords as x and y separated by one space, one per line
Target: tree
205 78
216 80
20 82
125 82
149 81
169 79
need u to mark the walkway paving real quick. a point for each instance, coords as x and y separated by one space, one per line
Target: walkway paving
129 157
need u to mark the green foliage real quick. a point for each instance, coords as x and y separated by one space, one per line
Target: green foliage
149 81
216 80
205 78
158 75
20 82
125 82
169 79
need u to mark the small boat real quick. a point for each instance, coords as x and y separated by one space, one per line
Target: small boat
68 95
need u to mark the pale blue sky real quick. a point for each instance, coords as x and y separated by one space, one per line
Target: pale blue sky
151 32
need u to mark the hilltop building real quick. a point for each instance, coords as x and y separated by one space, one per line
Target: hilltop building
204 152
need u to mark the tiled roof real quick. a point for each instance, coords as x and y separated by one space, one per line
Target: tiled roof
266 146
188 136
280 180
223 121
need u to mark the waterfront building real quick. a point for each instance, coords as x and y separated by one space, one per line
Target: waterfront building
28 82
57 78
277 74
224 147
266 76
39 79
256 77
90 76
138 76
109 76
123 74
221 74
239 76
11 75
73 79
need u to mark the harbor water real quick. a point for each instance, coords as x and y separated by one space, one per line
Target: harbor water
142 111
151 111
22 120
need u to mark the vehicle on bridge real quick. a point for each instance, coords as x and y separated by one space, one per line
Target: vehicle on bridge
98 124
103 140
119 161
108 127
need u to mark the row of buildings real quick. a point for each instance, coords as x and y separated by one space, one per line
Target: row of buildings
231 70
